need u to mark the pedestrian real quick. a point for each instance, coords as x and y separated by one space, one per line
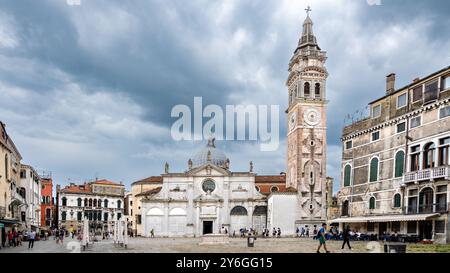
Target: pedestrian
19 238
10 238
279 232
57 236
61 236
152 233
302 232
274 232
321 237
31 237
346 236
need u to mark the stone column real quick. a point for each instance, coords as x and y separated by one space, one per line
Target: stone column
197 225
166 220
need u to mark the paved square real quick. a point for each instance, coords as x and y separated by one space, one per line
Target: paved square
191 245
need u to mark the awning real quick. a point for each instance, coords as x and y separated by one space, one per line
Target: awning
385 218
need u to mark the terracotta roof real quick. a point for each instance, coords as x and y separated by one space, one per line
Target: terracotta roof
149 180
153 191
85 188
106 182
270 179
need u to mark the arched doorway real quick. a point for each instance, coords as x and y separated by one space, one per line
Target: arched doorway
238 219
177 222
259 218
154 221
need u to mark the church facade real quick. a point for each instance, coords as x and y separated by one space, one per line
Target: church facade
207 198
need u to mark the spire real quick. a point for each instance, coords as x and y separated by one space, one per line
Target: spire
308 39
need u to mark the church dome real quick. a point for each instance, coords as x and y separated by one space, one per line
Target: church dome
209 154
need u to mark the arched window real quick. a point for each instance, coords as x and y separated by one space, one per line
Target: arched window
373 174
372 203
48 200
399 163
85 202
426 200
119 204
306 89
90 216
64 201
317 90
274 189
95 216
95 202
63 216
106 203
345 208
428 156
99 216
290 98
90 202
79 215
79 202
260 210
238 210
99 203
347 175
397 200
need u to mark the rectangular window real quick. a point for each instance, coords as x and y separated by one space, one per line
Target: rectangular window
431 92
138 219
376 111
441 202
415 155
348 145
416 122
401 127
446 83
443 151
401 101
439 226
417 94
444 112
412 227
375 136
370 227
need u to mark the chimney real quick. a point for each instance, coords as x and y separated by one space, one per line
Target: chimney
416 80
390 83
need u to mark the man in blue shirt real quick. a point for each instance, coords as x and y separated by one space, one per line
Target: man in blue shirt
322 239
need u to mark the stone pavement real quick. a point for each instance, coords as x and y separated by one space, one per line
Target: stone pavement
191 245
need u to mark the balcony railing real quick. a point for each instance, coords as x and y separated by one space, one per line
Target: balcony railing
427 175
425 209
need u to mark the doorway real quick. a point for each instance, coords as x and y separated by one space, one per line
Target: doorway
425 230
207 227
382 229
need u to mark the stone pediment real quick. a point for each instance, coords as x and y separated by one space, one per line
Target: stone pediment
209 170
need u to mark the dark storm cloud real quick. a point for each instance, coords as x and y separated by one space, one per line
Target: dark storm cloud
147 56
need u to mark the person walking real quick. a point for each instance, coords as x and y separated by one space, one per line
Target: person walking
152 233
279 233
322 240
346 236
62 233
31 238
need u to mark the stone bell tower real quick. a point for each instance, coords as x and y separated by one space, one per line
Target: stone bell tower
307 127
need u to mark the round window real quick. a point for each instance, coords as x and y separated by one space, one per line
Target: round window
208 185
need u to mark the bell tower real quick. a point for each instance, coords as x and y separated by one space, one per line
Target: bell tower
307 127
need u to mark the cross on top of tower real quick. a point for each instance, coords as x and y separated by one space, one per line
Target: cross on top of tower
308 10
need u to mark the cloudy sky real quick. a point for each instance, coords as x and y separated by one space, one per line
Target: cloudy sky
86 91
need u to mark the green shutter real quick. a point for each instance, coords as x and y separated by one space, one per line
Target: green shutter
373 170
347 175
399 163
372 203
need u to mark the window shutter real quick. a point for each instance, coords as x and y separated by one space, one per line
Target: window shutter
347 175
374 170
399 163
372 203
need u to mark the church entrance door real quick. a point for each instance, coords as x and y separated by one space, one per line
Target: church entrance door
207 227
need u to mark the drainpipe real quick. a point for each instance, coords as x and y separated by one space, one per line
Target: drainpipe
405 164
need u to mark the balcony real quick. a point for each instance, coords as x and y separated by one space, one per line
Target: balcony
426 209
442 172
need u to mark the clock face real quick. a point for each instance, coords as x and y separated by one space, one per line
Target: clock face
292 121
312 117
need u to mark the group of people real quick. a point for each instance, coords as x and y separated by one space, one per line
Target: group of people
15 238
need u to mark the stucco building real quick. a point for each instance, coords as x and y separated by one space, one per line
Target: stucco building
100 201
395 162
31 182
